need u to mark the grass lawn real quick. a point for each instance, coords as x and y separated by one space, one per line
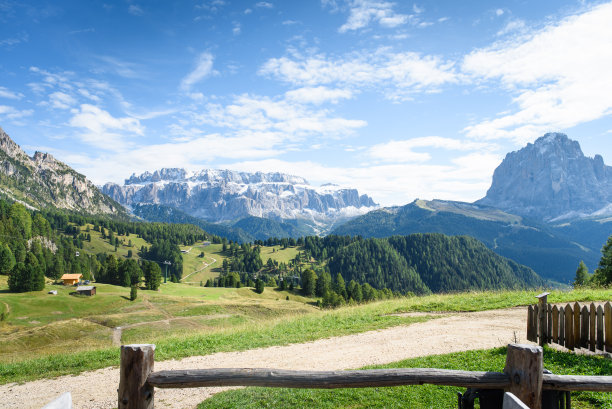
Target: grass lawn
99 245
277 253
213 257
426 396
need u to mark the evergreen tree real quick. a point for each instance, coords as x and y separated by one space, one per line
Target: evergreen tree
7 260
309 282
340 286
603 274
323 284
133 292
152 275
259 286
582 275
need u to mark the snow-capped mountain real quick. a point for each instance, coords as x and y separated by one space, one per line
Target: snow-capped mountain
225 195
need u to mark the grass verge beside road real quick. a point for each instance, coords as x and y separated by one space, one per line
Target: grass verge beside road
425 396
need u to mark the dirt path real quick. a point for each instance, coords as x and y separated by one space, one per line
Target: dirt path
449 333
214 260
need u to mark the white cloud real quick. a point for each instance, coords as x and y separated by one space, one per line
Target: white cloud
499 12
403 151
103 130
264 114
363 12
204 68
7 93
236 28
61 100
318 95
559 75
12 113
135 10
264 4
397 74
512 26
465 178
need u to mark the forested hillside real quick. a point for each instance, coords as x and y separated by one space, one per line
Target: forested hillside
553 252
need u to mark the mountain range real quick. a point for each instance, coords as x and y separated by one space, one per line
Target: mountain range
227 196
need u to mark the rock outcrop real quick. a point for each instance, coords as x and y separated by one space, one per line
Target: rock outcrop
551 179
42 181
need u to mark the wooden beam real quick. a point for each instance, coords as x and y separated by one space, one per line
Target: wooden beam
136 366
608 326
524 366
561 326
577 383
576 340
326 379
592 333
542 315
569 327
600 328
555 324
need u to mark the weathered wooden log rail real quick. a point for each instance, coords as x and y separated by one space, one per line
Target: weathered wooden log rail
523 377
571 325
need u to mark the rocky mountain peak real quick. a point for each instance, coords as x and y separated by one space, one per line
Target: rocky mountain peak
551 179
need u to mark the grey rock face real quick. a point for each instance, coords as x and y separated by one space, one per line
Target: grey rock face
43 181
223 195
551 179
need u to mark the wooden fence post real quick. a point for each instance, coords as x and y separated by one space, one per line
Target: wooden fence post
524 366
608 325
592 333
584 328
561 326
550 324
600 329
542 315
569 327
555 324
530 324
576 338
136 365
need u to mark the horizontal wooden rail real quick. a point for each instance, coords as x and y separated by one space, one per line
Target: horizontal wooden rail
327 379
577 383
281 378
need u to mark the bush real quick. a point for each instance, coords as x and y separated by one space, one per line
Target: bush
259 286
133 293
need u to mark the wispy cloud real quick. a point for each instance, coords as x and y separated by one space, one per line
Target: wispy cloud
135 10
318 95
103 130
264 5
362 13
204 68
7 93
559 76
398 75
10 112
14 40
404 150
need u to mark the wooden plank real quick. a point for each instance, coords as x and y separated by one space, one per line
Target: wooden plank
592 334
577 383
576 327
524 366
584 328
549 323
561 326
600 328
542 324
569 327
136 366
326 379
536 322
555 324
530 330
608 326
512 402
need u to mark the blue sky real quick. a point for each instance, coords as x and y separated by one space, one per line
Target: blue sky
401 100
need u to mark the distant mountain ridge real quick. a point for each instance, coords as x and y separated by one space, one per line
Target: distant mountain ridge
548 251
41 181
225 195
551 179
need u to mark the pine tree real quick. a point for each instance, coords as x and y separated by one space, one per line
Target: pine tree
259 286
582 275
603 274
309 282
7 260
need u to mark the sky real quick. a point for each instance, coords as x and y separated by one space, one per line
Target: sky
399 99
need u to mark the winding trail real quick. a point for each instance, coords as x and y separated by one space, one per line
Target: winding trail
444 334
214 260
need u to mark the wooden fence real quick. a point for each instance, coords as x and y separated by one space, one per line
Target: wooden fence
573 326
523 376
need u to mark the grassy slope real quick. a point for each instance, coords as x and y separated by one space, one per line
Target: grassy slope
224 320
213 256
427 396
99 245
279 254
